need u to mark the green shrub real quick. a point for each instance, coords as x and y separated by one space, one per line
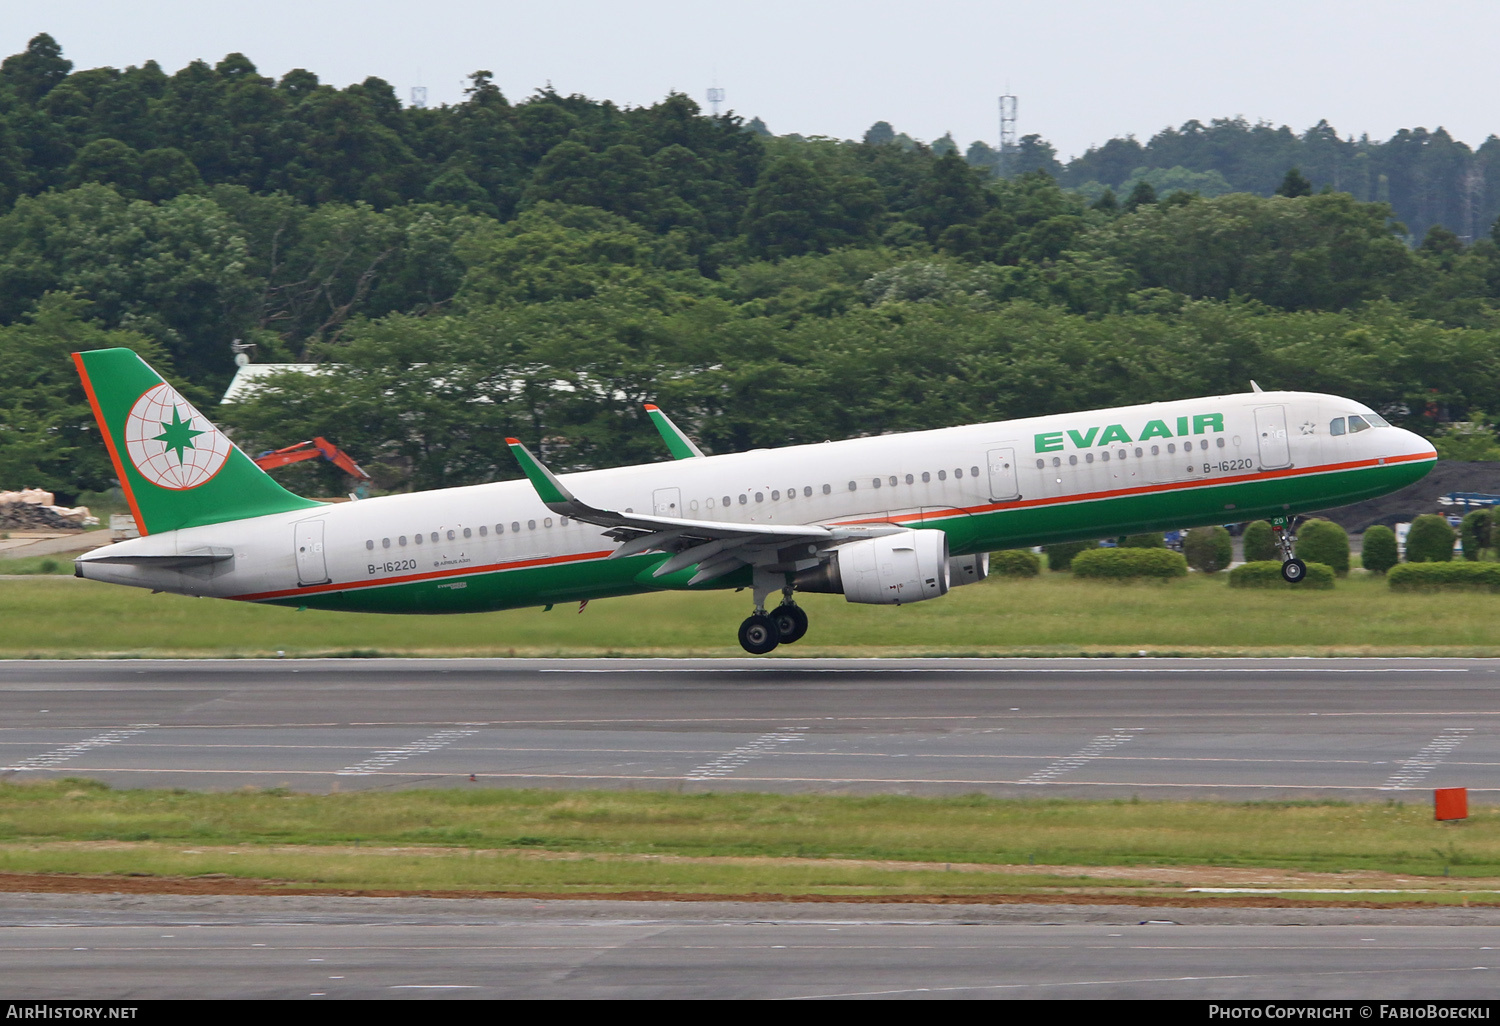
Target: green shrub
1475 531
1430 540
1015 563
1124 564
1323 541
1266 573
1378 551
1260 542
1208 549
1060 556
1462 576
1144 541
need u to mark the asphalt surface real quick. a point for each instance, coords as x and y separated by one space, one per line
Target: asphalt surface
58 946
1357 729
1362 729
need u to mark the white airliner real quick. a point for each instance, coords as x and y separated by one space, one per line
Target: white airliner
885 520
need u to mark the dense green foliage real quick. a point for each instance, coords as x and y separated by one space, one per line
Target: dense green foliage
1430 540
1453 576
1475 533
1260 542
1150 540
1267 574
1015 563
1378 549
1208 549
1323 541
1126 564
540 268
1060 556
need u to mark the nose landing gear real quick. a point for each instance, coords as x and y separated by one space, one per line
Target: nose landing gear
1293 570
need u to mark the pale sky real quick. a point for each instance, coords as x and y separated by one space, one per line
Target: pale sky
1084 70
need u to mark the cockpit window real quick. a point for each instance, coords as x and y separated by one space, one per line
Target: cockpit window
1376 420
1358 423
1337 426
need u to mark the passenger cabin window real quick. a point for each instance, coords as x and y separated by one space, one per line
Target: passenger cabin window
417 538
727 500
1336 426
828 489
499 528
942 475
926 477
852 486
744 499
875 483
385 543
370 544
807 491
1040 464
1358 423
760 496
515 525
531 525
975 470
450 536
1073 461
893 481
401 540
483 531
776 495
1056 461
434 535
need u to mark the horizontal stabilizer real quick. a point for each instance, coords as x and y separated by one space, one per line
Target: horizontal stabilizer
170 561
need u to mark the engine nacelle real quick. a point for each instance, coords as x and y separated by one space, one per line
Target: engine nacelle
889 570
970 569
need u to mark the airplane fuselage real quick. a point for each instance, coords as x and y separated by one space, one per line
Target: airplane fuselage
1009 484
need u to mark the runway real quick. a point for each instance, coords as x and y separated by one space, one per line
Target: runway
1243 729
54 946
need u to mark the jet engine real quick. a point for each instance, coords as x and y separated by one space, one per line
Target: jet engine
889 570
970 569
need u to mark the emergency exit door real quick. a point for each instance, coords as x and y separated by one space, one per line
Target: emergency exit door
667 502
1003 475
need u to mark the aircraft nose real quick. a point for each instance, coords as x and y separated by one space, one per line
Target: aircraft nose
1415 445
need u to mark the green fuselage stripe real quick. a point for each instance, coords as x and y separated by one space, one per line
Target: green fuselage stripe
1021 524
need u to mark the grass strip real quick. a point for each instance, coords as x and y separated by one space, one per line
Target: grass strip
488 840
1053 614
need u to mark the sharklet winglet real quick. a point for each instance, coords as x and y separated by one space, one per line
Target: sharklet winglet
678 444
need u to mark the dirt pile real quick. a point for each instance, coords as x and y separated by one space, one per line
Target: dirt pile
1422 497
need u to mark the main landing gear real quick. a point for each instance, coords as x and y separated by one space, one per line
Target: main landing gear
1293 570
761 632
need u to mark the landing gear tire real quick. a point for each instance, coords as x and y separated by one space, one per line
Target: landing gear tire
791 622
1293 571
758 634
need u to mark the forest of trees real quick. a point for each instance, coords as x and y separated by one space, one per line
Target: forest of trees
540 267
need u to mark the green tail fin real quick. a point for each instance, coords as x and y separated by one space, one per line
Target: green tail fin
176 468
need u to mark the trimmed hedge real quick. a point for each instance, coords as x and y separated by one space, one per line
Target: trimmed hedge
1267 574
1260 542
1144 541
1060 556
1430 540
1015 563
1127 564
1446 577
1208 549
1378 551
1323 541
1474 533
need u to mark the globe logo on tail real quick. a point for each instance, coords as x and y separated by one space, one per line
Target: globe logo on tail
172 444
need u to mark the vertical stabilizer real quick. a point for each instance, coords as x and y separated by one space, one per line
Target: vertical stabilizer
177 469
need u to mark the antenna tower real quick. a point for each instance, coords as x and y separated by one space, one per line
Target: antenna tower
715 97
419 97
1007 133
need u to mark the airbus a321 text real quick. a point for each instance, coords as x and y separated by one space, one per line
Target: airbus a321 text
887 520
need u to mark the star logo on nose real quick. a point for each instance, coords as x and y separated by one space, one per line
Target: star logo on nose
1308 427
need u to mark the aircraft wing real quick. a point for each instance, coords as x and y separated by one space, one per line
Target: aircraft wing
678 444
715 547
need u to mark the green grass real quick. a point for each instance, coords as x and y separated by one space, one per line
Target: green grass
1049 615
723 843
37 565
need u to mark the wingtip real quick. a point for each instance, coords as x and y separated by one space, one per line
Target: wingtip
652 408
512 441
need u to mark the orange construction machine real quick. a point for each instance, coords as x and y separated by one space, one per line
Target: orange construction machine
311 450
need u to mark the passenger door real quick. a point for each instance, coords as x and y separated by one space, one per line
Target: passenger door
1270 430
312 567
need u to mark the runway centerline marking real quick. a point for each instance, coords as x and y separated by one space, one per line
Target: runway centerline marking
388 757
737 757
1428 759
1093 750
47 760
